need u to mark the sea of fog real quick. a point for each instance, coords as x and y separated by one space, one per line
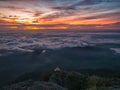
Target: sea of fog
28 51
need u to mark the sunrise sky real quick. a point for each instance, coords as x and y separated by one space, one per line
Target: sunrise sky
59 14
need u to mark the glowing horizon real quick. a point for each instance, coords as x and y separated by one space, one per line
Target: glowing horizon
60 14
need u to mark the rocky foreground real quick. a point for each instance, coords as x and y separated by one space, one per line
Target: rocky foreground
34 85
60 80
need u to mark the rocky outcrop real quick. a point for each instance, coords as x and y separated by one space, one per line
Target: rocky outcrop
62 80
33 85
78 81
70 80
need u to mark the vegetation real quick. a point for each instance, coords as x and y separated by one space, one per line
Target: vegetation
75 80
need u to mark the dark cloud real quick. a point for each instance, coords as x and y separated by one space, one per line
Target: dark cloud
37 14
73 6
13 7
111 15
117 24
64 8
84 3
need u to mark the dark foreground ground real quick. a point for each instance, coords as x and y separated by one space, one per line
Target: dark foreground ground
94 58
64 80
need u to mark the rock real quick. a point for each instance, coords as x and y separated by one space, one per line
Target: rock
43 51
57 69
33 85
70 80
40 51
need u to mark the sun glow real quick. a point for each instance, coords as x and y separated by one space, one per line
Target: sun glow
23 21
33 28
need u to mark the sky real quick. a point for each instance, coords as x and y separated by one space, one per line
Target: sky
59 14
